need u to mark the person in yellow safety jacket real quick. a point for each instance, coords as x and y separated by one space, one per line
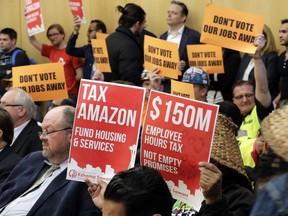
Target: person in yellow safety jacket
254 105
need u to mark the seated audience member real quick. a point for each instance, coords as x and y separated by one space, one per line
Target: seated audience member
86 51
254 106
224 182
272 198
200 80
269 57
21 107
8 159
38 185
138 191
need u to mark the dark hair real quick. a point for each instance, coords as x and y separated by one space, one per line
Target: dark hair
284 21
241 83
231 177
183 6
130 15
231 110
268 166
6 125
142 190
67 101
55 26
10 32
99 25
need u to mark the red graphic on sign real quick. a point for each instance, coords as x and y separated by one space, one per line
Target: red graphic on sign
33 16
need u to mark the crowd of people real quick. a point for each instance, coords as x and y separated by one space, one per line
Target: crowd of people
247 171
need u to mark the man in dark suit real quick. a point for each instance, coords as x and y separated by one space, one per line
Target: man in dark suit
21 107
179 33
8 159
55 196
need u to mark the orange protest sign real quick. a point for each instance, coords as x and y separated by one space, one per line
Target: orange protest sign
182 89
230 28
106 130
101 35
206 56
101 55
163 55
176 135
42 81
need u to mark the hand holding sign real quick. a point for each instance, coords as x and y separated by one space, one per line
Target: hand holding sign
77 24
210 182
259 42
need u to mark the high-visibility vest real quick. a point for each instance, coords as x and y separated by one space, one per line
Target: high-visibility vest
247 134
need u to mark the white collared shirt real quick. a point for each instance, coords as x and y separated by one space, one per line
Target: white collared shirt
176 37
18 130
22 205
248 70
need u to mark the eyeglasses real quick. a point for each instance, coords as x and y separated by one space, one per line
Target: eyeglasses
45 134
9 105
240 97
52 35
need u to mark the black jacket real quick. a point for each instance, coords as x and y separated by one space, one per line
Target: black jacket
28 140
125 56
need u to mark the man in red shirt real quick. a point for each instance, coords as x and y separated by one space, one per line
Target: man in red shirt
57 53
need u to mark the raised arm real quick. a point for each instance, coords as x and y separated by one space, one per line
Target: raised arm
35 43
79 73
262 92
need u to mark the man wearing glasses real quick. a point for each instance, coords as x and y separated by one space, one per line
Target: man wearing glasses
254 106
30 190
85 51
21 107
56 52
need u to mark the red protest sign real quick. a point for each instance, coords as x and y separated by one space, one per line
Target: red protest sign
176 136
77 9
33 17
105 131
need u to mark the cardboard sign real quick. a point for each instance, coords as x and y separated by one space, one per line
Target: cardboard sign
77 9
163 55
231 29
208 57
176 136
106 130
182 89
33 17
42 81
101 55
101 35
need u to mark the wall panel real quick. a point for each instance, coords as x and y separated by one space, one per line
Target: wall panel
57 11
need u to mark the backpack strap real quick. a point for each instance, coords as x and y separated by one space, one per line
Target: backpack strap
13 58
276 196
